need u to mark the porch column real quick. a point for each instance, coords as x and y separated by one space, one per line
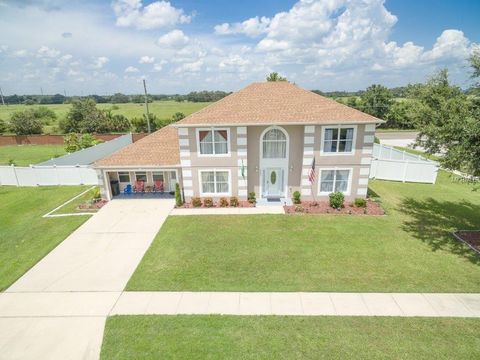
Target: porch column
308 152
185 161
242 161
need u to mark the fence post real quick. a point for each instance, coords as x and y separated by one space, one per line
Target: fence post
55 170
79 171
405 171
15 173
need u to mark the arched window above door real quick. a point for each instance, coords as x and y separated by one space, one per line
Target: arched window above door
274 144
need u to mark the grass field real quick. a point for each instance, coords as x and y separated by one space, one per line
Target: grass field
26 237
24 155
162 109
281 337
409 250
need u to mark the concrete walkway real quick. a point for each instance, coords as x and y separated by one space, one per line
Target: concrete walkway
267 209
57 310
336 304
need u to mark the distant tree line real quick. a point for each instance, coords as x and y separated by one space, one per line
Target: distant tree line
117 98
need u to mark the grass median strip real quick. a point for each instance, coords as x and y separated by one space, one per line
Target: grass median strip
287 337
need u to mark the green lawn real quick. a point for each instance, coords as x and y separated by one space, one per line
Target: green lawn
418 152
24 155
280 337
162 109
409 250
26 237
72 207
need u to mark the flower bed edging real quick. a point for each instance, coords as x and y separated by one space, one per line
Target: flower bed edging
323 208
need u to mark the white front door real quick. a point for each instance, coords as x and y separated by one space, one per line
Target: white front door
273 182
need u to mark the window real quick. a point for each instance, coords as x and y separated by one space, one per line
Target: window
274 144
124 177
157 176
334 180
338 140
214 182
213 142
141 176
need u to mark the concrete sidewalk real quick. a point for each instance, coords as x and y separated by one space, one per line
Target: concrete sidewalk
337 304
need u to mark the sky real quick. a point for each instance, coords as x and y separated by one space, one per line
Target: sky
102 47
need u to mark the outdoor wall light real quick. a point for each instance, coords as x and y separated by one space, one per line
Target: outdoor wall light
291 168
256 168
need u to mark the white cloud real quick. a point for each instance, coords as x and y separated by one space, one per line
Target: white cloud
159 65
251 27
20 53
100 62
158 14
46 52
450 44
146 59
191 67
175 39
131 69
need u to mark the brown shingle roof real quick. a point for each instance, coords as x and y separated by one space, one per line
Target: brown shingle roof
275 103
157 149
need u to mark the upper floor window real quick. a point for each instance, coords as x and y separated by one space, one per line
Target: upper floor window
274 144
338 139
213 141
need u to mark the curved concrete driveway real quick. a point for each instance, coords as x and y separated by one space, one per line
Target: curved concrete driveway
57 310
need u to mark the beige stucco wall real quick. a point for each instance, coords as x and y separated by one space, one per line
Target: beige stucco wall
213 162
298 162
295 156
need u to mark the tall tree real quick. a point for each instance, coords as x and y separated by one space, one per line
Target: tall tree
449 123
376 101
274 76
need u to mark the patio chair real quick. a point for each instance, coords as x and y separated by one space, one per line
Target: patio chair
127 190
158 186
139 187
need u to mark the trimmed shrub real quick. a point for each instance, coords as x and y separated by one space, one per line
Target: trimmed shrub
223 202
208 202
196 202
178 195
360 203
336 200
234 201
376 140
96 194
296 197
251 198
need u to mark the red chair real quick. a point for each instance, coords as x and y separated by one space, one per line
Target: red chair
139 186
158 186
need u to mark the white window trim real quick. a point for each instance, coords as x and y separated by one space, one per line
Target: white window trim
214 194
287 149
349 182
354 138
197 131
123 182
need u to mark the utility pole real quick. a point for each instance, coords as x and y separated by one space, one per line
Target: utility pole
1 95
41 90
146 106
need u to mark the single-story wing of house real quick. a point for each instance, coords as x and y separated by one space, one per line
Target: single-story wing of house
270 138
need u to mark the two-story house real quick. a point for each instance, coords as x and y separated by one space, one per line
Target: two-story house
265 138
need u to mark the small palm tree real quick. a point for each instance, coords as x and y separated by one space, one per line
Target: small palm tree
275 77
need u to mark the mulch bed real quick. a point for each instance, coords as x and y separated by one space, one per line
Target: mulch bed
241 204
95 206
469 237
323 207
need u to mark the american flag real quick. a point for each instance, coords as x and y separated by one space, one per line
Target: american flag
311 174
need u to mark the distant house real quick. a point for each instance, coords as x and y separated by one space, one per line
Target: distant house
263 139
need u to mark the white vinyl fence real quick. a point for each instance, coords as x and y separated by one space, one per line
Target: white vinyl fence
392 164
47 175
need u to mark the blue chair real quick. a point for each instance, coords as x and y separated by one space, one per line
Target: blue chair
127 190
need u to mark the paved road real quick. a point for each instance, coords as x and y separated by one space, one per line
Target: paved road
57 310
401 138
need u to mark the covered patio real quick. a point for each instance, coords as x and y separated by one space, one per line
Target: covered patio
141 183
